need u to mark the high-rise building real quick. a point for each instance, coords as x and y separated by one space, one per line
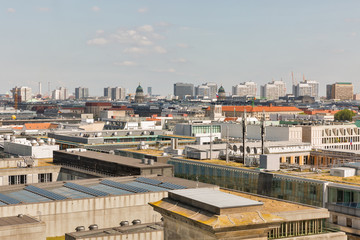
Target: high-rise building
183 89
118 93
306 88
81 93
206 90
340 91
273 90
60 94
22 94
149 91
107 92
115 93
246 89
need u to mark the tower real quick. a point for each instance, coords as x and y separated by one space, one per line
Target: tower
139 95
221 94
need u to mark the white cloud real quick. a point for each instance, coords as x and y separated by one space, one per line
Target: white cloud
131 37
97 41
126 63
168 70
182 45
146 28
95 9
143 10
99 32
179 60
10 10
44 9
353 34
135 50
159 49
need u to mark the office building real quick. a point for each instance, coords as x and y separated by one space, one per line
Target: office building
273 90
246 89
60 94
213 214
206 90
115 93
306 88
183 89
81 93
21 94
340 91
149 91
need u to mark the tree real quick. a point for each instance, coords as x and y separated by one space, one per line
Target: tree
344 115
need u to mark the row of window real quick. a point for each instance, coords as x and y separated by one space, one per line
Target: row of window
22 179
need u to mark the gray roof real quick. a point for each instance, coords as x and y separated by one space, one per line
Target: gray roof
209 197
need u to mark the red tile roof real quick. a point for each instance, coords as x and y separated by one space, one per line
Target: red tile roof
39 126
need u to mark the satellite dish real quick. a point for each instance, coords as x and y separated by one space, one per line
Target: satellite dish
248 149
235 148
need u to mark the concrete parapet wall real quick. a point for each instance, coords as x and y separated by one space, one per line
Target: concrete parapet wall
64 216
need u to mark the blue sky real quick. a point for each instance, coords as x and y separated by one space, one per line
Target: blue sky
100 43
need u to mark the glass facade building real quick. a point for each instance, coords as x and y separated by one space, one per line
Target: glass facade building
285 187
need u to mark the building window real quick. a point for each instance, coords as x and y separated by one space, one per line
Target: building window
335 219
17 179
349 222
297 159
45 177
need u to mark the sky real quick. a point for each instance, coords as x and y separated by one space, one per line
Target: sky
101 43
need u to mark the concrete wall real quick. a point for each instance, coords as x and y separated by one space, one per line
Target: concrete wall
154 235
31 173
23 231
45 151
13 162
64 216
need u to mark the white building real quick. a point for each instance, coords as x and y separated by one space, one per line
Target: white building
306 88
60 94
273 90
245 89
23 94
207 90
332 136
36 149
204 131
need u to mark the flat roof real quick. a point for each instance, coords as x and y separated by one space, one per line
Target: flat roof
116 231
16 220
211 197
131 162
92 188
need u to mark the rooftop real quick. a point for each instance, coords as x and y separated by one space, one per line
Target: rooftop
126 161
91 188
212 200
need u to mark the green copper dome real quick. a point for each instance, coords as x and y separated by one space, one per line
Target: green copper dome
139 89
221 89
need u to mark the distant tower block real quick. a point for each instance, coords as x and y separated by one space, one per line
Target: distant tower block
221 94
139 96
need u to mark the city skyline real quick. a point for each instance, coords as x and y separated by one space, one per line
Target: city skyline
158 44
